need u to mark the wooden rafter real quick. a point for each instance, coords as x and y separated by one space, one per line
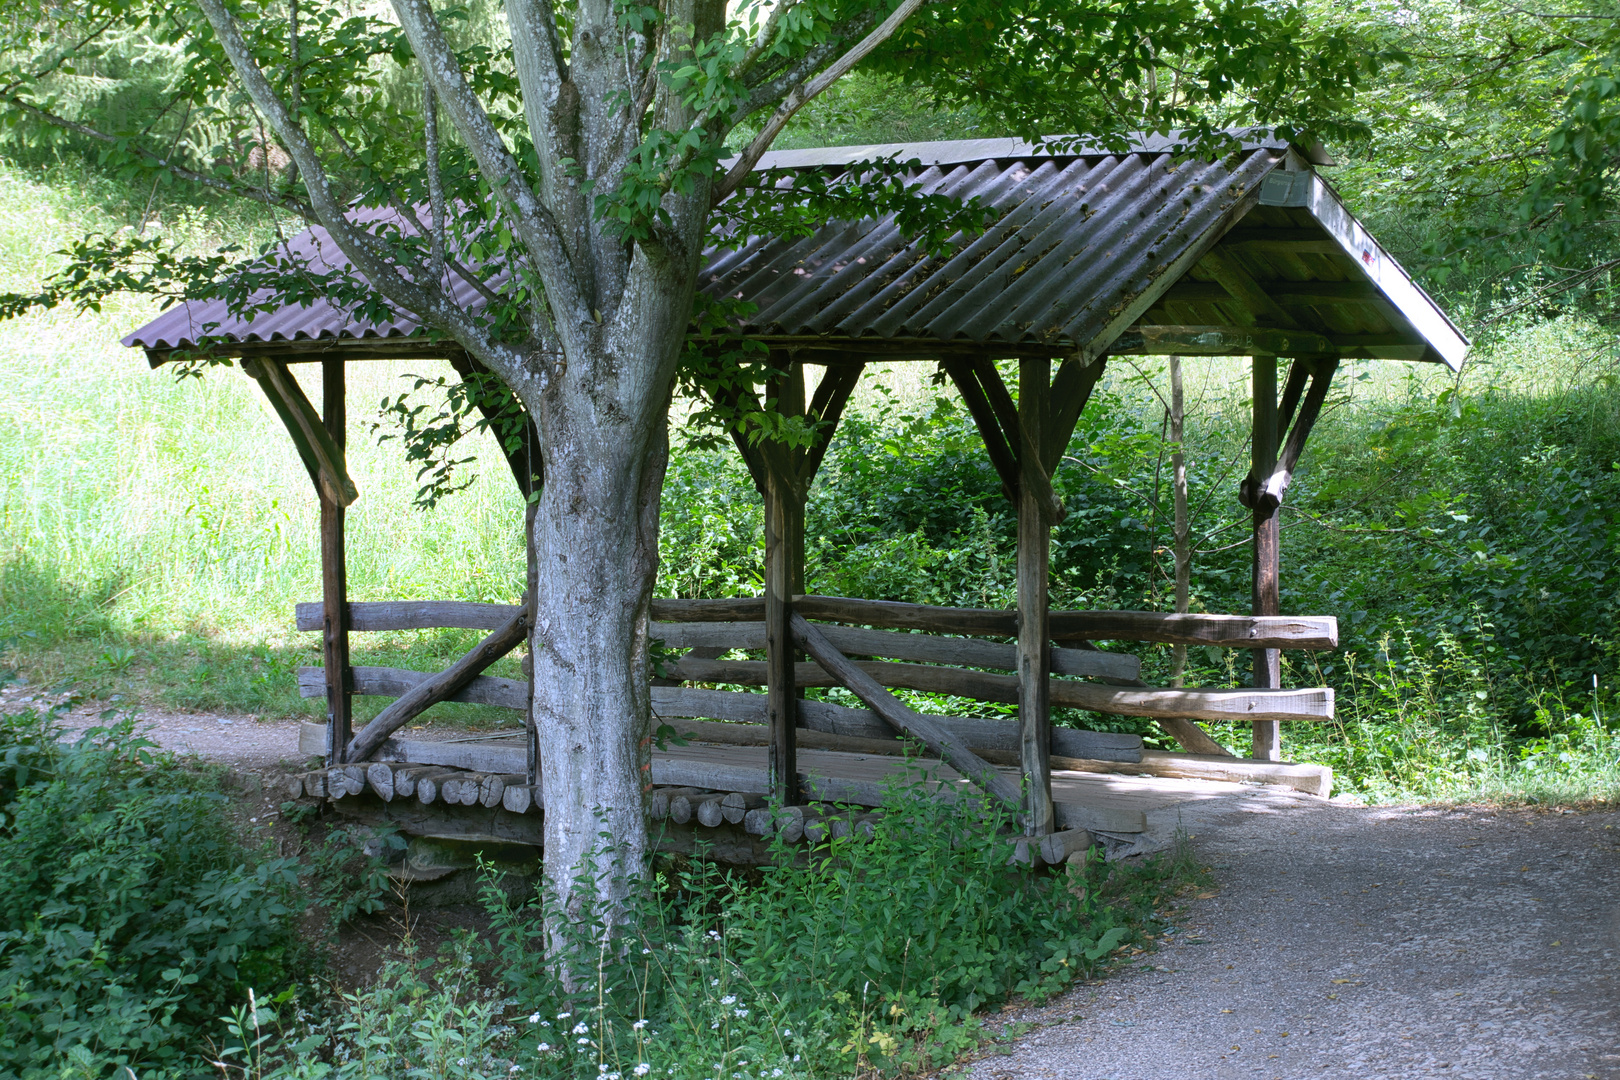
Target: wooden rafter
1257 306
1283 292
1225 340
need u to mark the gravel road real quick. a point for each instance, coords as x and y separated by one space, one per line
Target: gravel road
1367 943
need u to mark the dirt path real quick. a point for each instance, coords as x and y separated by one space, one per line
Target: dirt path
1367 943
242 741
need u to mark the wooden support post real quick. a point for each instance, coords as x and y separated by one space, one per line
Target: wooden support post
1267 545
519 440
784 577
334 578
1034 634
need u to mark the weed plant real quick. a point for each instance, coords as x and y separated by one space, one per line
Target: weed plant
866 952
863 956
130 915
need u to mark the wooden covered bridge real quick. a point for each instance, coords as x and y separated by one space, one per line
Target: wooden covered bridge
1094 254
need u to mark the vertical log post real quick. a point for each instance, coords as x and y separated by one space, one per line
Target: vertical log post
1034 659
784 576
1267 545
334 578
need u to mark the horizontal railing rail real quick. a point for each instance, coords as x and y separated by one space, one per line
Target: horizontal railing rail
1228 631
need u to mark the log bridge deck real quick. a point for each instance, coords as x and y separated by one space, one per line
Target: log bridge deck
712 794
711 784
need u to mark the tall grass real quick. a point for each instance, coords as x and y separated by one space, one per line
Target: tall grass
175 515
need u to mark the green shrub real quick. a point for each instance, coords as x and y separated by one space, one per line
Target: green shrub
871 951
130 915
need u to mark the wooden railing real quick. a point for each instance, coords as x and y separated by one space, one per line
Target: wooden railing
906 647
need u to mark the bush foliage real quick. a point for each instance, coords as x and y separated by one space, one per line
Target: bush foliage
130 915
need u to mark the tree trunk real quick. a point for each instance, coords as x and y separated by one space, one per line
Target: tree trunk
603 422
596 555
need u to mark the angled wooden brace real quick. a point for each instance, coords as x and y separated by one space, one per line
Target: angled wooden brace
528 470
321 455
826 409
1271 492
1032 472
1001 455
1071 391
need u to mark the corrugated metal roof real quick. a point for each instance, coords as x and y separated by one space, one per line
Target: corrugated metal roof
1085 244
1078 239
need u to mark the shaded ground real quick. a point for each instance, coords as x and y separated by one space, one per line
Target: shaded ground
1367 943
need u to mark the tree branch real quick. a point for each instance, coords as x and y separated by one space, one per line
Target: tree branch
214 183
532 221
361 248
435 182
806 92
764 38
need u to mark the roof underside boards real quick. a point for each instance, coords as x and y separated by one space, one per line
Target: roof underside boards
1091 254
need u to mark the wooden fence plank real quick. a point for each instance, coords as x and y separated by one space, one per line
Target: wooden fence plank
836 727
1152 702
894 645
393 682
1228 631
414 615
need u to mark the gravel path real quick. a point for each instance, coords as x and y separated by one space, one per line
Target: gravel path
235 739
1367 943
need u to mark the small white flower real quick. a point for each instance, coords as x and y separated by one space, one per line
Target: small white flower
788 1034
545 1023
564 1016
600 1069
544 1047
638 1025
646 952
534 1019
642 1070
742 1014
584 1042
795 1057
715 1026
582 1028
776 1072
714 982
729 999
